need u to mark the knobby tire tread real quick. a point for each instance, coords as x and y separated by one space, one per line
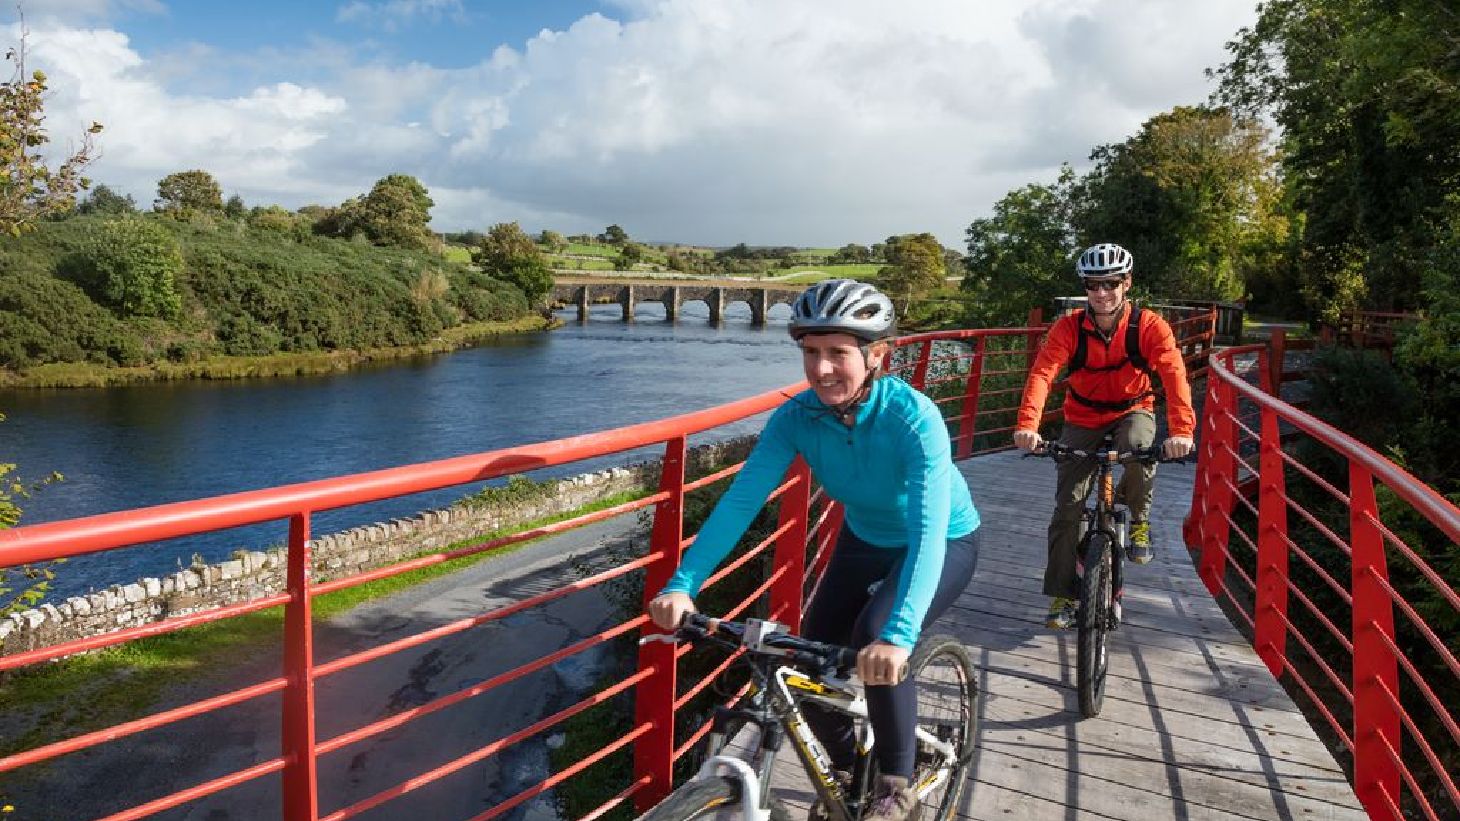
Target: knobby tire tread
947 648
1092 624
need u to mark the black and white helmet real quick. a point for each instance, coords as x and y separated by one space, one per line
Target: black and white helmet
1104 260
843 306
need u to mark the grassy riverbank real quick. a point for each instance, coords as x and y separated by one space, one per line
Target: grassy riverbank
86 375
86 692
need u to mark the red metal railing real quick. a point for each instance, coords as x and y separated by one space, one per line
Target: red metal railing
958 368
1275 533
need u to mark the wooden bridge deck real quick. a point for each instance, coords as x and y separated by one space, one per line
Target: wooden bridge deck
1193 725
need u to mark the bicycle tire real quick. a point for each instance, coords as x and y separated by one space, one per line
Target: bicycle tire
1093 622
942 671
708 798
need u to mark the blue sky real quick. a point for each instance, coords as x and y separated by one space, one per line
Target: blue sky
814 122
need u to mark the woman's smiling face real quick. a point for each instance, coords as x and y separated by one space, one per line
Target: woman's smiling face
835 366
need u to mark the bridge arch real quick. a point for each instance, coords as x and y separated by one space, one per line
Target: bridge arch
673 295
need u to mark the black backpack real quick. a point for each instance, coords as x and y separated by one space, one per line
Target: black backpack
1133 353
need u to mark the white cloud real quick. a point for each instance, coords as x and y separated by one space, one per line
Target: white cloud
391 14
817 122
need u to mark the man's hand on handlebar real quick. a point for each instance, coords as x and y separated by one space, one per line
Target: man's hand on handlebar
1028 440
667 610
1177 447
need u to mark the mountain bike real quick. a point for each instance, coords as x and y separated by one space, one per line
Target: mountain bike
788 671
1103 532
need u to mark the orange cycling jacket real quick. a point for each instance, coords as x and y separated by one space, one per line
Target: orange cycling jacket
1115 385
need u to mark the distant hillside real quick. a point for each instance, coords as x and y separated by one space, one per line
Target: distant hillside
85 290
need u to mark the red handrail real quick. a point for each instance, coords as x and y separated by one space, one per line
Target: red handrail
1388 714
969 371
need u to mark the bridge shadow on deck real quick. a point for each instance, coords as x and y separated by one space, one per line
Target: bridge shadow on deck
1193 725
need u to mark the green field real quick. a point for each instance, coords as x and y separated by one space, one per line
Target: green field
558 263
816 273
580 249
457 253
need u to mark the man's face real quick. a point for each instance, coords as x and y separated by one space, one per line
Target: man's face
1106 293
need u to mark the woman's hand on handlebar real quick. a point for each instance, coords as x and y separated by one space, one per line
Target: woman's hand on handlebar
1028 440
881 663
667 610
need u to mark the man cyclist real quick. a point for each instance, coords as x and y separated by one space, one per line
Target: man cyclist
1109 389
909 543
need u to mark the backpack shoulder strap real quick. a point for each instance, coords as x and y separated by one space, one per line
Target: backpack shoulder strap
1081 347
1133 350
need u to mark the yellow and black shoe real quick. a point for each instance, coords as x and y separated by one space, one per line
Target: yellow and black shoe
1139 549
1061 613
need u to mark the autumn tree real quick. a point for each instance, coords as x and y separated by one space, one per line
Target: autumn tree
509 254
186 193
29 188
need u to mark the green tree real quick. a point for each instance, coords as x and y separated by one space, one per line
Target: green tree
1368 98
103 200
553 241
186 193
29 189
1181 195
509 254
852 254
235 209
1022 256
395 214
132 265
614 235
630 254
915 266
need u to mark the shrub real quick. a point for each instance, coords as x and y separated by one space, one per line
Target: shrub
132 265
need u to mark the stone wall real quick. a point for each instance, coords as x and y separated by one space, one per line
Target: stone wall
251 575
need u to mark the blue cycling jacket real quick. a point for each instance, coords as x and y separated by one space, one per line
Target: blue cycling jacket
892 471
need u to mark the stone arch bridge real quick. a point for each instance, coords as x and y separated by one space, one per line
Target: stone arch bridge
672 294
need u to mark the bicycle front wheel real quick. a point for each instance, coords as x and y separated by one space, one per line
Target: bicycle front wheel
709 798
947 723
1093 620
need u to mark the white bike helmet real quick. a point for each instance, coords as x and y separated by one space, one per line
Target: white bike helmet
1104 260
843 306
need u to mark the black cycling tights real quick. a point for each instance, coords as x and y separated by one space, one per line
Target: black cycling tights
845 612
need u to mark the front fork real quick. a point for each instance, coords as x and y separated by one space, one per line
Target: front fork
1117 527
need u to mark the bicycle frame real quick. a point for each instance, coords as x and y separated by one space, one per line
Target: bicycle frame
1105 517
776 710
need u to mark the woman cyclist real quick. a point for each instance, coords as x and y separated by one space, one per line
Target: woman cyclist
909 542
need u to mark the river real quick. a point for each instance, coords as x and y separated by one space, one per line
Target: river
129 447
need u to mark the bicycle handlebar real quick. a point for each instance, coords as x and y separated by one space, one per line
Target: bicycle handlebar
768 638
1063 453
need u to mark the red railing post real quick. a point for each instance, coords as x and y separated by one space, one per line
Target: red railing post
1270 633
920 373
1375 669
1272 375
790 558
1035 321
301 776
1191 528
654 698
1219 478
968 426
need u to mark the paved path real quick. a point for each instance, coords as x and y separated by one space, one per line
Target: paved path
1193 725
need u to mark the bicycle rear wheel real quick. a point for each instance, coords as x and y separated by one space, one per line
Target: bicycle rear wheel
1093 620
947 709
709 798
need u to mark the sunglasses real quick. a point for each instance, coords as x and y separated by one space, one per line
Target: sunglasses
1103 284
